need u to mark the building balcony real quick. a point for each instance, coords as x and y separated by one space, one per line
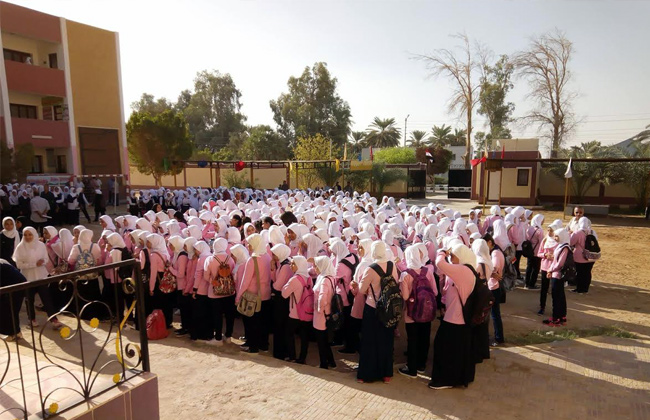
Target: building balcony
34 79
41 133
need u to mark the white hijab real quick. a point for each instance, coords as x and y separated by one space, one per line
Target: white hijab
30 252
13 233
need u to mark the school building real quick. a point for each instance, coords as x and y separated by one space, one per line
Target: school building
61 90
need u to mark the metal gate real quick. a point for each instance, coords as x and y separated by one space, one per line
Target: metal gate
460 183
417 183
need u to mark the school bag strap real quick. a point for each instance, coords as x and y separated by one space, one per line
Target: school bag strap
381 273
257 276
476 276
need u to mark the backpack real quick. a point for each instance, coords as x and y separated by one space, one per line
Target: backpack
224 283
390 302
167 281
592 249
403 243
353 269
335 318
527 248
568 272
126 271
305 307
478 304
421 304
509 276
84 261
156 328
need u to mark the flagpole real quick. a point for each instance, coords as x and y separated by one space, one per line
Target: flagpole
485 184
566 191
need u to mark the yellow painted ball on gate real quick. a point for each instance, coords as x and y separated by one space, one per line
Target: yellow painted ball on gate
54 407
65 332
94 323
116 378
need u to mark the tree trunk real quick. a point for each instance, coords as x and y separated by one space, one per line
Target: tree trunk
157 178
468 144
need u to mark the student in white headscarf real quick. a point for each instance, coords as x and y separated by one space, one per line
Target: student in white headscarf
534 234
417 277
484 269
9 240
219 267
324 289
280 275
376 353
30 257
560 256
453 363
299 321
545 253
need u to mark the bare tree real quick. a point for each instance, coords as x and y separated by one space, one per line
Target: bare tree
463 67
545 65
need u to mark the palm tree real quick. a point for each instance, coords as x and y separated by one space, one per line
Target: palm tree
418 139
458 138
356 141
382 133
441 135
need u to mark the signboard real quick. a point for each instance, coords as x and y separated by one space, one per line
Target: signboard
49 179
364 165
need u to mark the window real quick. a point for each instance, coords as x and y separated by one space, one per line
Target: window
61 164
522 177
37 165
23 111
19 56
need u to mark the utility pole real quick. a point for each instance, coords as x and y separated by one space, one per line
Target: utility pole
405 120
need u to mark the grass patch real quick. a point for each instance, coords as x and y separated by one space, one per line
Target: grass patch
561 334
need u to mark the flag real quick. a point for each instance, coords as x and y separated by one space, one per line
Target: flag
372 157
429 155
477 161
239 166
338 165
568 173
503 152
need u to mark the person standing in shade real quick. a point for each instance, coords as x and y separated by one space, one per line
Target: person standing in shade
39 208
83 202
111 190
99 204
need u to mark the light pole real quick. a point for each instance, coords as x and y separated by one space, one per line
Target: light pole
405 120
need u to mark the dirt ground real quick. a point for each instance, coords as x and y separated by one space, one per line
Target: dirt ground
599 377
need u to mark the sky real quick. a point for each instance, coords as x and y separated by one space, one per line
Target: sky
369 47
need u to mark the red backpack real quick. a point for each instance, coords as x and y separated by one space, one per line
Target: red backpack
305 307
156 326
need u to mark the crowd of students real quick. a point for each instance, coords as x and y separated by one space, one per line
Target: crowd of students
312 264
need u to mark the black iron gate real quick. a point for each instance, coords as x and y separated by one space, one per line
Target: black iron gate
460 183
417 183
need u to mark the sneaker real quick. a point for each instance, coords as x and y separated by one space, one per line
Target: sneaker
422 370
56 324
574 291
540 312
494 344
440 387
406 372
11 338
332 365
387 379
346 351
551 322
531 288
181 332
359 381
249 351
244 348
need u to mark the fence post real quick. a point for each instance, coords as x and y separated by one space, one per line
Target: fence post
142 318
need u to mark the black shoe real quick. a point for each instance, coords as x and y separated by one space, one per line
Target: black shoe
422 369
181 332
346 351
406 372
540 312
332 365
574 291
300 361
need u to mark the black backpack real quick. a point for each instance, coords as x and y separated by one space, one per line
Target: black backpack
126 271
527 248
353 268
592 248
568 272
334 321
478 304
390 302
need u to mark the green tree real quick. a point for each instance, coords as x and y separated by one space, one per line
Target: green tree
158 144
16 163
312 106
212 110
636 175
264 143
383 133
312 148
441 160
588 174
441 136
458 137
396 155
495 85
382 177
418 139
149 104
357 139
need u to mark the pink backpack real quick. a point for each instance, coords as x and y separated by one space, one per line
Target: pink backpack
305 307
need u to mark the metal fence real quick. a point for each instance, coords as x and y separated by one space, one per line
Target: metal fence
80 369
